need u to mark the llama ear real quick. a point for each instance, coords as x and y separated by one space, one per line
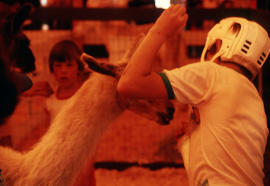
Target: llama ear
20 17
114 70
14 21
101 67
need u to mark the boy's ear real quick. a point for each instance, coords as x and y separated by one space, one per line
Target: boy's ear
14 22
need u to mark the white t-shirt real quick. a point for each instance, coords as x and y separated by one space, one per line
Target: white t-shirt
227 147
54 105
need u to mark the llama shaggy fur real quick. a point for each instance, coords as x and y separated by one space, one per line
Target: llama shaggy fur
72 137
75 132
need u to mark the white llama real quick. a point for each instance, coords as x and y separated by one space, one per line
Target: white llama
74 134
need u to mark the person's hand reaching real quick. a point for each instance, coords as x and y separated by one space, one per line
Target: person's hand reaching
171 21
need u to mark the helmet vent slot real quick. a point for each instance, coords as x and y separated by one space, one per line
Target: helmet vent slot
248 42
246 46
262 57
243 50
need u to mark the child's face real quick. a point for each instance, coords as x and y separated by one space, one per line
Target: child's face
66 72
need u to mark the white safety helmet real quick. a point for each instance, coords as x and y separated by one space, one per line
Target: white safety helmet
243 42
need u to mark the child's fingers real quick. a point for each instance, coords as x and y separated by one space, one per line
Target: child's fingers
178 9
172 19
184 18
181 11
171 7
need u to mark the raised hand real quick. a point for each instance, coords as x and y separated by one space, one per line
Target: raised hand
171 21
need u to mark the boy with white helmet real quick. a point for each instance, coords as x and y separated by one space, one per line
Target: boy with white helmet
227 147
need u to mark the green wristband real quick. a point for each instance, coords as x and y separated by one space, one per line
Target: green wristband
167 85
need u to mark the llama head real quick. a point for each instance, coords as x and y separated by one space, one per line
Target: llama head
160 111
14 53
14 45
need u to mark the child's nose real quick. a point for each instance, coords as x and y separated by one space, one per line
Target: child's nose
63 69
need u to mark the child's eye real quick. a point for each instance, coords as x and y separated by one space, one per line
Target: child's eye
70 64
57 64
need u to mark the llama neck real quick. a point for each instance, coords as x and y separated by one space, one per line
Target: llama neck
73 135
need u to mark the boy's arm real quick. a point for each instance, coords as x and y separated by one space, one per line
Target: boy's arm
138 80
